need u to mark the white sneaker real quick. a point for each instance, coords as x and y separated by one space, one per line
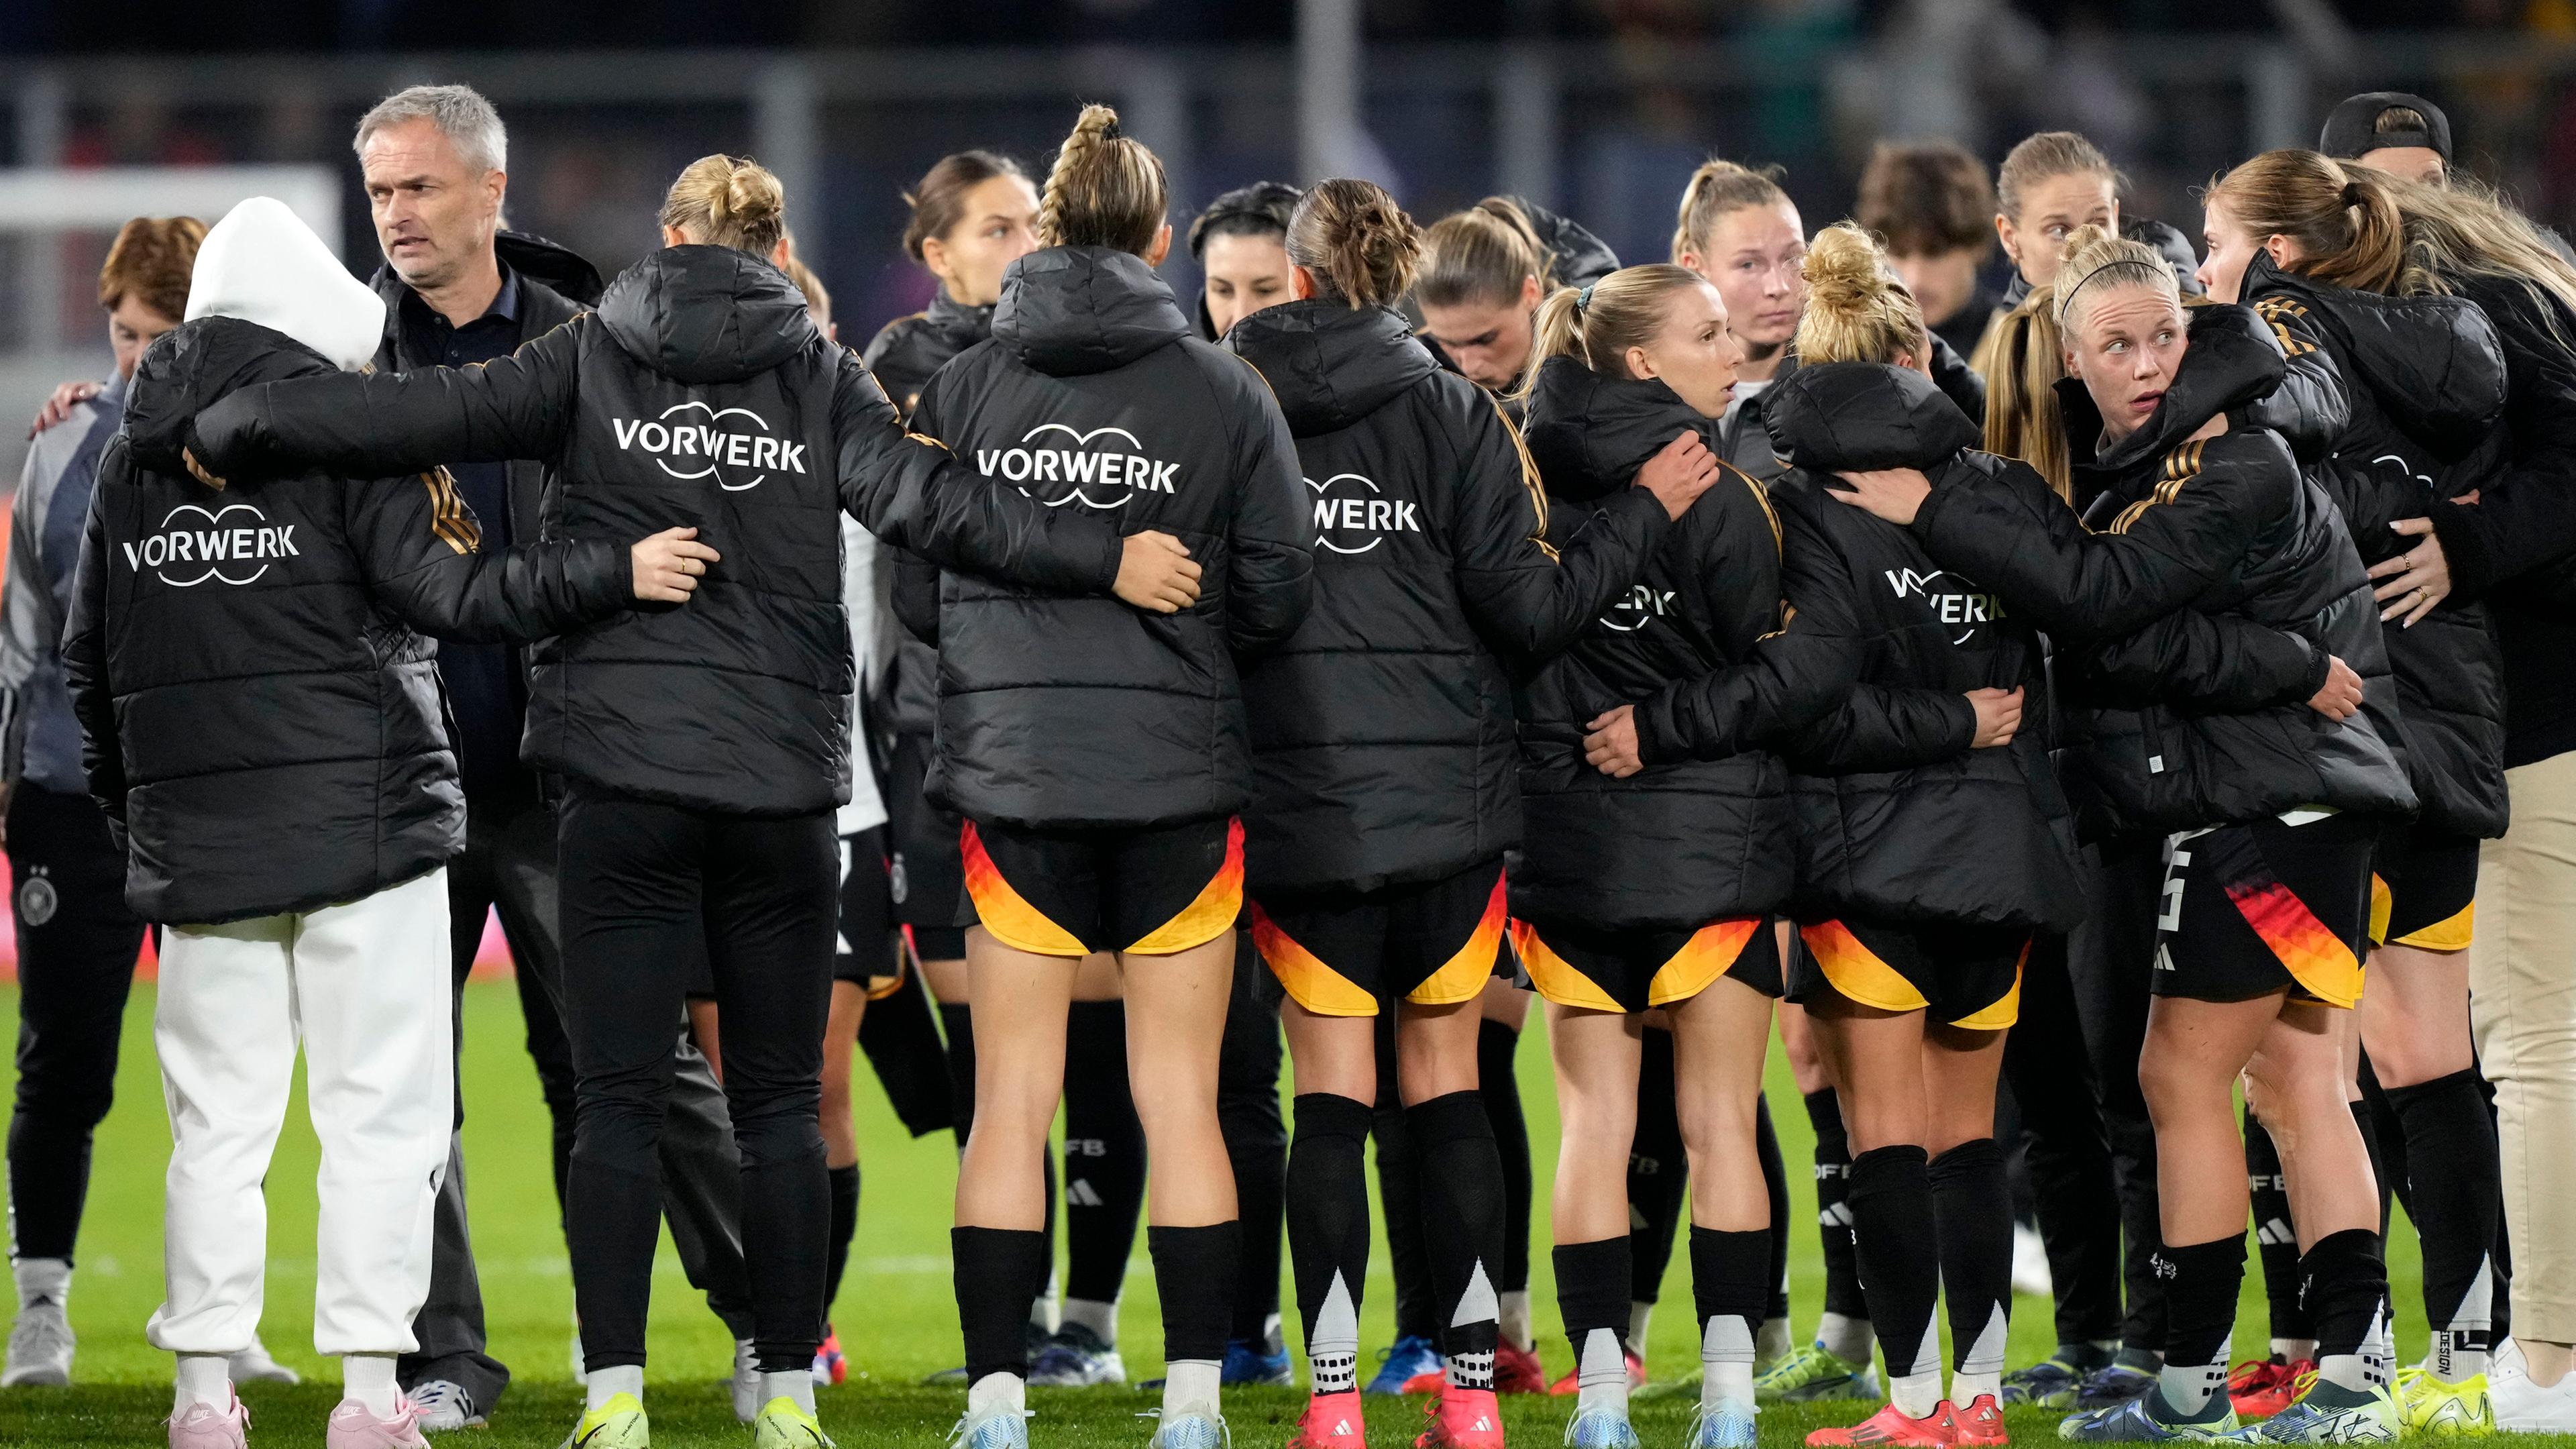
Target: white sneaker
2523 1407
746 1381
443 1404
2030 1275
40 1347
253 1366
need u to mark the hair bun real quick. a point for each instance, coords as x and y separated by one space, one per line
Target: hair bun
2351 194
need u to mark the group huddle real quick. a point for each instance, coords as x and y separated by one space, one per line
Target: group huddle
2085 690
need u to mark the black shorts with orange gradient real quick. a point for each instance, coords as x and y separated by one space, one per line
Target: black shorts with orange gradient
2424 890
1957 973
2254 909
1596 970
1434 943
1149 892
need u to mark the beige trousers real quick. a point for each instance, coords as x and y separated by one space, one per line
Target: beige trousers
2522 983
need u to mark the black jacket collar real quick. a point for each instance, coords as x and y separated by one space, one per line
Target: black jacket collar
1331 364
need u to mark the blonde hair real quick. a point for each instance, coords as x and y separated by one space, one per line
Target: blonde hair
2096 262
1716 188
728 201
2342 217
818 300
1356 243
2047 154
1857 311
1106 189
2465 229
151 261
1486 253
2022 357
1597 325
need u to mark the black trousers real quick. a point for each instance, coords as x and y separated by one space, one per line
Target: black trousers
2110 962
2068 1153
645 887
76 949
1256 1139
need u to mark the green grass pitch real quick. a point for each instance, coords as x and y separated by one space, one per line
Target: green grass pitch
895 1315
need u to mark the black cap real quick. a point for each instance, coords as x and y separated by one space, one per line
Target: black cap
2353 127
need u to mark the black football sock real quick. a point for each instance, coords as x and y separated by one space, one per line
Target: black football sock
957 1023
2201 1281
2277 1239
1731 1289
2458 1192
1498 1082
1972 1204
2345 1283
1775 1186
1462 1204
845 1226
1399 1190
1194 1273
1104 1165
1843 1294
1328 1233
1898 1250
1658 1182
997 1271
2365 1123
1592 1299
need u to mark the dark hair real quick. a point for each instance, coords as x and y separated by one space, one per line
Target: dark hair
938 200
1356 243
1927 200
1486 254
151 261
1106 188
1261 209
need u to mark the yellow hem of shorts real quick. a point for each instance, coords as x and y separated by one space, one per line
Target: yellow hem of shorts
2450 934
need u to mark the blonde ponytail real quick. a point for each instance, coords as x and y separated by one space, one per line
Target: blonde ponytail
2022 357
1106 189
1716 188
728 201
1597 325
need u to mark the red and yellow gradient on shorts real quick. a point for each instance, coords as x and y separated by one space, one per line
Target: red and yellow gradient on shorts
1005 912
1212 914
2314 955
1316 986
1709 953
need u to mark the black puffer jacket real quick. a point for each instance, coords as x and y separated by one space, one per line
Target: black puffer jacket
2511 547
2385 395
1382 730
1076 713
1703 831
263 723
1899 819
699 394
1581 258
905 354
1746 435
2224 525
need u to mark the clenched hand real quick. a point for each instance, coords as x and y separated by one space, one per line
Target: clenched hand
1155 572
2341 697
1679 473
1611 747
669 564
1998 716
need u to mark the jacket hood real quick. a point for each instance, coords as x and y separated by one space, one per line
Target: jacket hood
962 325
2434 364
2168 240
701 314
1861 415
1589 433
1073 311
262 264
197 365
1331 364
1581 257
2232 360
563 271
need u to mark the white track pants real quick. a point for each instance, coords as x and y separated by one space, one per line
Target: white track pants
364 987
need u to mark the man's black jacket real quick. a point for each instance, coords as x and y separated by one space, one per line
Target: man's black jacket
2382 397
263 723
1899 818
1704 830
701 395
1095 397
1382 730
2227 526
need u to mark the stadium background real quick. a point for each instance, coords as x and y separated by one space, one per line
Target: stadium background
1598 107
